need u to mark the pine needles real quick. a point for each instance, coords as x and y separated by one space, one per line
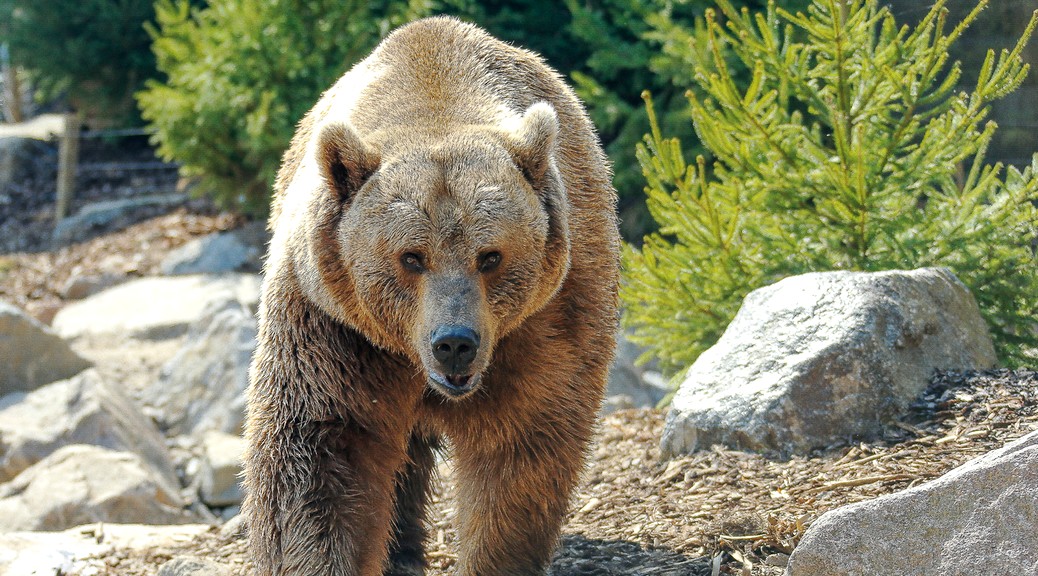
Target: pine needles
849 149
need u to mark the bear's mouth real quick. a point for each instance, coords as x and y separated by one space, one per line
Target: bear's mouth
454 385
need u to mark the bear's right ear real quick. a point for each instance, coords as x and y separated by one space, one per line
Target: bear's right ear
346 161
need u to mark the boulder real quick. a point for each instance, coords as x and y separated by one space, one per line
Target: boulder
31 354
256 236
979 518
153 308
83 550
211 254
80 484
820 358
221 465
203 386
81 410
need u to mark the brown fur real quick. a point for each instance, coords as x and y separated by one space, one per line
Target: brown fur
447 144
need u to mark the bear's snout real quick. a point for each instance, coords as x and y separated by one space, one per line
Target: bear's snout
454 348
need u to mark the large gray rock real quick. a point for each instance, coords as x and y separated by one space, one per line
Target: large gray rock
211 254
823 357
81 410
203 386
31 354
980 518
80 484
84 549
154 308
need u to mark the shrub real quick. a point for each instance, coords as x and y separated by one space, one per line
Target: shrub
242 73
849 149
94 51
627 46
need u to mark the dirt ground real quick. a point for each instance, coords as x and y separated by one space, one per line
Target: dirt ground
717 511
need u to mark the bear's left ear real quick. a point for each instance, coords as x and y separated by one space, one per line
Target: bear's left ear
534 140
346 162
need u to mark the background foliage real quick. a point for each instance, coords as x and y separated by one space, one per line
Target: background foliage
96 51
242 73
849 149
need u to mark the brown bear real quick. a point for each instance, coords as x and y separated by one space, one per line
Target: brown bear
443 267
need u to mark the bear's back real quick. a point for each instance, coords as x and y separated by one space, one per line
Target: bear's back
437 71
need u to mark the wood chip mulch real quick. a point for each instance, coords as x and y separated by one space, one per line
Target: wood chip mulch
722 511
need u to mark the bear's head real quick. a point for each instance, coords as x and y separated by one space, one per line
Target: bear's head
436 244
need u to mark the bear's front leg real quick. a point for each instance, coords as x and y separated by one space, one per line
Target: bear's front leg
327 434
319 498
514 487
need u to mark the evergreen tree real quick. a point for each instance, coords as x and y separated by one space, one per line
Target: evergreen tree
850 149
242 73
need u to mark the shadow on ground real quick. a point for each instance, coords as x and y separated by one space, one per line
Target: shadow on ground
580 556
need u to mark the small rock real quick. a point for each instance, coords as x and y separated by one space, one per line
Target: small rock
81 410
631 385
16 159
617 402
819 358
234 527
221 466
81 286
979 518
82 484
230 512
192 566
778 560
211 254
31 354
83 550
44 312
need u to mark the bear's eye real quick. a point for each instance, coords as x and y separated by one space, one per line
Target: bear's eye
412 262
489 261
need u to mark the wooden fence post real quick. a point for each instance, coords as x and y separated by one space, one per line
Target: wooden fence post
12 95
12 90
68 157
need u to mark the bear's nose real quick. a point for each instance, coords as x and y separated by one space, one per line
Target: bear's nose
455 347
